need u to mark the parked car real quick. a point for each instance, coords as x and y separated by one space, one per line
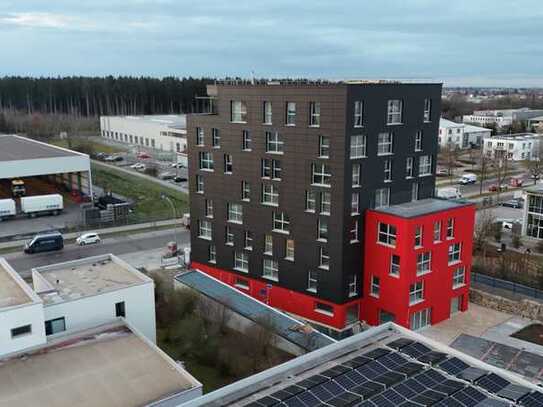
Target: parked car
494 188
177 165
513 203
88 238
100 156
138 166
467 179
180 179
516 182
45 242
166 175
449 193
142 155
117 158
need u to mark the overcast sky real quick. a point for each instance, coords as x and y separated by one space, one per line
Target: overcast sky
460 42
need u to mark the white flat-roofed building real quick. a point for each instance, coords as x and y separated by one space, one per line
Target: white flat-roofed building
516 147
83 293
501 117
532 225
159 132
461 135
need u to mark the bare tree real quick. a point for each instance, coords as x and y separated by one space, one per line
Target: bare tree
484 166
501 164
484 228
450 155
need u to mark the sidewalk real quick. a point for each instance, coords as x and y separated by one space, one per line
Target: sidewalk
105 231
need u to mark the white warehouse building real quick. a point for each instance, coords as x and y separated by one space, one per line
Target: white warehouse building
159 132
461 135
516 147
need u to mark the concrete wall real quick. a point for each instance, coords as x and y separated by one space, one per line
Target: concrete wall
95 310
19 316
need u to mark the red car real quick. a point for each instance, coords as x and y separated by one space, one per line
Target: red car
142 156
494 188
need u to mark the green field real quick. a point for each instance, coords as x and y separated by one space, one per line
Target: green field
145 194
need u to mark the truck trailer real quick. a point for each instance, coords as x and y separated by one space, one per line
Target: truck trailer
33 206
7 209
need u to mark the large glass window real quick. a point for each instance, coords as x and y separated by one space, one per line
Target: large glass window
54 326
358 146
274 143
424 263
205 229
235 213
425 165
420 319
454 253
387 234
394 111
321 174
384 143
382 197
416 292
268 244
238 111
270 195
241 261
459 277
281 222
270 269
206 160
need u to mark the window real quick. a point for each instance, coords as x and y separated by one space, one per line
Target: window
420 319
291 114
450 228
427 109
353 233
323 229
326 204
394 265
324 147
394 111
199 136
312 281
268 244
270 269
120 310
314 114
235 213
415 191
355 197
276 169
324 258
358 113
387 234
248 240
424 263
425 165
310 201
459 277
266 168
267 113
270 195
289 249
199 184
228 164
418 236
212 253
229 236
358 146
353 289
241 283
454 253
241 262
388 170
418 141
54 326
384 143
409 167
281 222
324 309
356 175
209 208
215 138
321 174
245 191
246 140
206 160
416 293
21 331
238 111
382 197
274 144
375 286
205 229
437 231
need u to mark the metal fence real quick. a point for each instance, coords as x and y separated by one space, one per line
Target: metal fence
507 285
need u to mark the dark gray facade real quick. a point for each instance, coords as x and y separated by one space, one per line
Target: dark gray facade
301 145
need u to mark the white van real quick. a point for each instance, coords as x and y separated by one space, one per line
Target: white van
468 179
449 193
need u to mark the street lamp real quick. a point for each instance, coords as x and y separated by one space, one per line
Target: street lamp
166 198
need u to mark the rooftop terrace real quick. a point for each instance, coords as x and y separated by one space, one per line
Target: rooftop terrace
82 278
422 207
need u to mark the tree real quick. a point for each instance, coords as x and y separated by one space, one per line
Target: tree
450 155
501 164
484 228
484 166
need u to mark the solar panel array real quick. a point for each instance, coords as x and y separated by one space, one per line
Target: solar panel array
405 373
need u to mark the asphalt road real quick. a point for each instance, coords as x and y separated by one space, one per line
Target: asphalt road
117 245
473 189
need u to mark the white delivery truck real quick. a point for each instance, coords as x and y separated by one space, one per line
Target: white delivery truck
468 179
7 209
449 193
42 205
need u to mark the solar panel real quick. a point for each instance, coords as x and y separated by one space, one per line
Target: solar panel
371 369
432 357
335 371
416 349
392 360
449 387
469 396
326 391
287 392
492 383
400 343
344 400
409 369
312 381
430 378
493 403
381 401
356 362
532 400
377 353
267 401
428 397
453 365
513 392
409 404
409 389
306 399
368 389
390 378
471 374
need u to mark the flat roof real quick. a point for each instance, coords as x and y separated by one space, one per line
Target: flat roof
535 189
174 121
468 128
518 136
422 207
11 291
321 82
85 277
449 123
15 148
384 366
108 367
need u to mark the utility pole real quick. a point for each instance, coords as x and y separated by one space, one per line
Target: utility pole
166 198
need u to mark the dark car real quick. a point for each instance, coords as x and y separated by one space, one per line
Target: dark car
45 242
513 203
180 179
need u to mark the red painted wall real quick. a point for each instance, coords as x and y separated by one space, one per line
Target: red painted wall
394 291
281 298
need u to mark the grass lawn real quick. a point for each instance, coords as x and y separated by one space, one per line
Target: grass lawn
87 146
146 194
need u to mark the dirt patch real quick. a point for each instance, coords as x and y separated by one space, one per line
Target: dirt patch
532 333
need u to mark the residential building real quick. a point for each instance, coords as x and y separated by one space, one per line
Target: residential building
461 135
383 366
299 165
535 124
501 118
158 132
516 147
532 225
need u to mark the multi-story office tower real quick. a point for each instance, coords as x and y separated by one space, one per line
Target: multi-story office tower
282 174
